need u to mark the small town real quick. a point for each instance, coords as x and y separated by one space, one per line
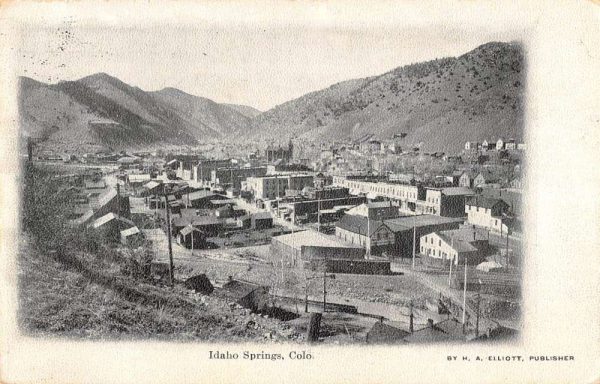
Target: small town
366 241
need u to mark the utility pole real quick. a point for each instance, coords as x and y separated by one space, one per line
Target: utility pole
464 297
412 318
451 261
507 258
324 289
414 247
319 213
169 239
477 321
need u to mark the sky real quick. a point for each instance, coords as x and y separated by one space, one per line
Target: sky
261 63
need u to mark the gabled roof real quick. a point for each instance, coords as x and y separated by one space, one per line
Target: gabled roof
106 197
110 217
359 224
187 230
130 231
151 185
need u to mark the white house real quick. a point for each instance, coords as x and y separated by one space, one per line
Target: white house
487 213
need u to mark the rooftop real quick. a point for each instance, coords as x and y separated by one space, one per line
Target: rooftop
408 222
484 201
312 238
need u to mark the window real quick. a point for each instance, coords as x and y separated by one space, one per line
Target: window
440 243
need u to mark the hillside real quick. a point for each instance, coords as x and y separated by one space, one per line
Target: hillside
244 110
439 104
123 116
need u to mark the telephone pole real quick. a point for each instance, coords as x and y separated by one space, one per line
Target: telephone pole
412 318
477 321
169 239
464 314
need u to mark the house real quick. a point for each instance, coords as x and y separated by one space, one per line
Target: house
261 220
111 225
210 225
487 212
305 248
456 246
500 144
151 188
488 145
191 237
510 144
485 177
471 145
466 179
131 237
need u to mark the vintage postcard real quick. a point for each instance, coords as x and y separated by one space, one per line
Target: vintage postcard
305 191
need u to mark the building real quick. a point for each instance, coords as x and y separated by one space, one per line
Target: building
510 144
273 153
449 202
261 220
111 225
466 179
271 187
407 195
471 145
382 210
201 169
190 236
209 225
485 177
131 237
305 248
407 228
229 211
136 180
202 199
234 176
488 213
309 210
500 144
372 235
456 246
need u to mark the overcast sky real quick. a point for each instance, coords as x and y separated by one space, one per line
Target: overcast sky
260 64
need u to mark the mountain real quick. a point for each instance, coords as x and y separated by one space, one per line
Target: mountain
102 111
438 104
244 110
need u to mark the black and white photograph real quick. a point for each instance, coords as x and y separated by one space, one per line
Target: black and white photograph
292 185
